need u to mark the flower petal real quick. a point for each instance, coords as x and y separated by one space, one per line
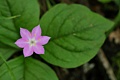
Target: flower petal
28 50
43 40
36 32
20 43
25 34
38 49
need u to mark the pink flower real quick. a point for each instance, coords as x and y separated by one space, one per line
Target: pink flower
32 42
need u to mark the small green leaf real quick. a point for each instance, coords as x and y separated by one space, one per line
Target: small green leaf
27 69
15 14
76 34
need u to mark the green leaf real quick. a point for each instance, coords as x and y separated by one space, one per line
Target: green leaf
76 34
6 53
15 14
105 1
10 71
27 69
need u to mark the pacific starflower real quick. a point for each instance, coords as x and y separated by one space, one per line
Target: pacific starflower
32 42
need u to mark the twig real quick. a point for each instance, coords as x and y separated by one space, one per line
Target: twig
106 65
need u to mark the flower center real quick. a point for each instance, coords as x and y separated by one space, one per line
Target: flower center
32 42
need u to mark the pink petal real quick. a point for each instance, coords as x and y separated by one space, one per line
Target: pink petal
28 50
20 43
43 40
38 49
36 32
25 34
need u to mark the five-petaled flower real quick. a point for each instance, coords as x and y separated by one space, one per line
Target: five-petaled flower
32 42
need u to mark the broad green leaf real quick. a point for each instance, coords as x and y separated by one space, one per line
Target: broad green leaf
9 70
27 69
13 15
6 53
76 34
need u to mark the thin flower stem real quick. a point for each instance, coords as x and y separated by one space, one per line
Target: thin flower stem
48 4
